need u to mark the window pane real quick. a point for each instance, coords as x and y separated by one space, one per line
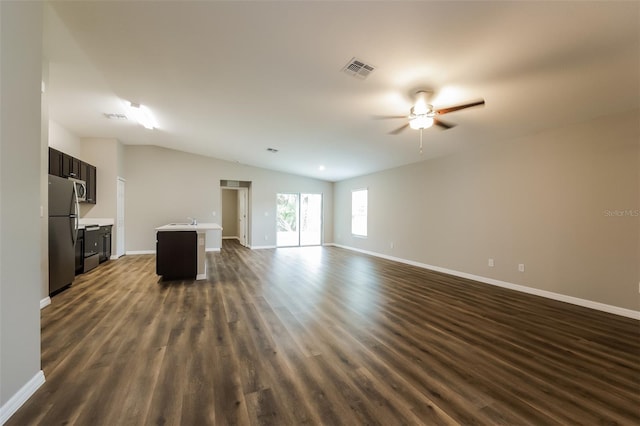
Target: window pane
310 219
287 220
359 212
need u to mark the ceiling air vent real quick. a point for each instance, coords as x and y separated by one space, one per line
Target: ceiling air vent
272 150
112 116
357 68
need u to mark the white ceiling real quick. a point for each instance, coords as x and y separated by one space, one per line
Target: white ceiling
231 79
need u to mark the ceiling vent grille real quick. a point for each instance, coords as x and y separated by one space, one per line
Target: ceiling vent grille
357 68
112 116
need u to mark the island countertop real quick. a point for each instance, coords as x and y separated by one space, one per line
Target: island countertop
187 227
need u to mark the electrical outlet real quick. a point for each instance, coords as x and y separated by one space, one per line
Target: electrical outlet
491 264
266 237
391 244
521 267
213 214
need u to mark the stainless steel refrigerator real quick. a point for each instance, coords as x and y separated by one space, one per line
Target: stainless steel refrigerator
63 230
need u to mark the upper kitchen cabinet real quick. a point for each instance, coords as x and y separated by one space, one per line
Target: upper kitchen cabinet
55 162
88 173
70 166
66 166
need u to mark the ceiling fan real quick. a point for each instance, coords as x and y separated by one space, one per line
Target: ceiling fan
424 115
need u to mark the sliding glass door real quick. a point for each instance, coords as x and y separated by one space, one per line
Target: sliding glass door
299 220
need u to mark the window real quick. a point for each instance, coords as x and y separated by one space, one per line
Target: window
359 212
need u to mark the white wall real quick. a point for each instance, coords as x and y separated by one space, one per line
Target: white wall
63 140
165 186
540 200
20 222
106 155
44 186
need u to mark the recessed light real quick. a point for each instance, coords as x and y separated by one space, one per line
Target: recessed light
321 168
272 150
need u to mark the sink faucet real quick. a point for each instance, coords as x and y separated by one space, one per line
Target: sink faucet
193 220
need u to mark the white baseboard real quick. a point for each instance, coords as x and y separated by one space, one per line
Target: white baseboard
231 238
212 249
629 313
20 397
134 252
45 302
262 247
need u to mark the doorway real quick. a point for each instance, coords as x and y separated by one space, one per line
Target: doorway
235 200
299 220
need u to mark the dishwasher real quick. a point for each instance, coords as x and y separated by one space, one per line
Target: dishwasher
92 240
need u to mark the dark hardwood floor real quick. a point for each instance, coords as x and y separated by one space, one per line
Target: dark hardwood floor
325 336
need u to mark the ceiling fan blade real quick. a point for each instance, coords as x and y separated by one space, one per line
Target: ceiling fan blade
387 117
443 124
441 111
399 129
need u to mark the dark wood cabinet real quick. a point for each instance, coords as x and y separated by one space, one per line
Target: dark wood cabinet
70 166
176 254
64 165
88 173
55 162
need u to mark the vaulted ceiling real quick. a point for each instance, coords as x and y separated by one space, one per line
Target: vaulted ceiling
231 79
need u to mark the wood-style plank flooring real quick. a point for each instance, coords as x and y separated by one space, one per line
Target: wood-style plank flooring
322 335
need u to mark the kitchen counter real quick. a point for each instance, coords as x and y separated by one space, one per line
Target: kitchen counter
86 221
165 254
200 227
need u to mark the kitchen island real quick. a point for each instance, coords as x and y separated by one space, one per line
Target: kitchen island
181 250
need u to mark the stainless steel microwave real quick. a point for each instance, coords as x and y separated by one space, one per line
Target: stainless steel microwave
80 187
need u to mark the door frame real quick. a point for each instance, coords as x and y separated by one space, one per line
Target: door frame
243 215
120 218
246 192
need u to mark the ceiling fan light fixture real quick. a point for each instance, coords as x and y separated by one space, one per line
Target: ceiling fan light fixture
421 122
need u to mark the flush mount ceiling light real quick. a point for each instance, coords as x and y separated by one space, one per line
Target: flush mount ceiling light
142 115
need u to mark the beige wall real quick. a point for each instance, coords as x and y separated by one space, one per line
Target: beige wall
63 140
230 213
545 200
165 186
44 185
20 187
102 153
